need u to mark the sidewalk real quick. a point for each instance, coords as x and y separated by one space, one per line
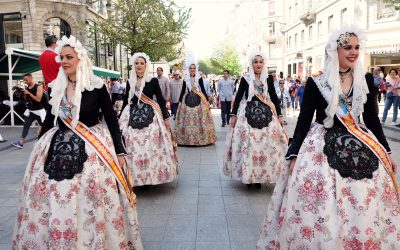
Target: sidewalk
12 134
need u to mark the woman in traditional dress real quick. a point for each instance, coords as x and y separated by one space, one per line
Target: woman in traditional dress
340 190
75 194
256 142
194 123
145 126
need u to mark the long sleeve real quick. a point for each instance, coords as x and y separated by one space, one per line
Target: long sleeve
160 98
125 101
201 83
111 120
305 117
182 91
48 122
370 114
243 87
168 90
273 96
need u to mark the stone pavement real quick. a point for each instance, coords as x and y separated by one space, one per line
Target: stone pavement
202 209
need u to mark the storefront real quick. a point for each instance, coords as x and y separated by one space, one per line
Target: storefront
385 57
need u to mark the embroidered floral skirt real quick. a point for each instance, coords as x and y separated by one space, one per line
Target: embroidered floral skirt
254 155
195 126
316 208
85 212
151 157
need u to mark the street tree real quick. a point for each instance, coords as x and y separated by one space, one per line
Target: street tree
395 3
155 27
206 67
224 57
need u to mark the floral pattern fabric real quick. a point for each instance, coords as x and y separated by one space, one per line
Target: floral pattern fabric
85 212
316 208
152 157
195 126
254 155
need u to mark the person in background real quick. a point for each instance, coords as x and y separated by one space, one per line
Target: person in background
392 95
164 85
116 90
226 87
35 111
283 98
48 64
175 90
300 92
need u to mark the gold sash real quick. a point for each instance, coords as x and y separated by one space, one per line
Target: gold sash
377 148
267 101
106 156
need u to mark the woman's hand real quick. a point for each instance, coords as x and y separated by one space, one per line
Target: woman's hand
292 163
280 120
121 160
232 121
394 165
167 124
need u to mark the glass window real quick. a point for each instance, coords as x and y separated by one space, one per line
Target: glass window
343 16
330 23
302 36
13 35
57 27
295 39
271 10
294 68
271 49
310 34
319 28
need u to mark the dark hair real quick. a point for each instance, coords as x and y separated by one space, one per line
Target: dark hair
395 70
227 71
27 74
50 40
159 68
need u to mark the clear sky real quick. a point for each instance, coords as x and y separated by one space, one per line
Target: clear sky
207 25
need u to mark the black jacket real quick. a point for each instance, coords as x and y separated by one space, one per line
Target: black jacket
314 101
184 89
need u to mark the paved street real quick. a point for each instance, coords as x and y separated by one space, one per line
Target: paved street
202 209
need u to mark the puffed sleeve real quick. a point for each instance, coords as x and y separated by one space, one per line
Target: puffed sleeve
160 98
272 94
371 111
243 87
111 120
201 83
306 115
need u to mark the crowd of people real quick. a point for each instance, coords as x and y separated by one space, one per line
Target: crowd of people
335 179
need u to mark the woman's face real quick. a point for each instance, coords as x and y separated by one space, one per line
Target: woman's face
69 60
348 53
140 66
192 69
258 64
392 74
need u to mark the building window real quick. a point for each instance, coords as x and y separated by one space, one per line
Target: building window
290 41
271 26
271 10
294 68
289 69
343 16
271 50
57 27
295 39
302 36
319 28
12 26
330 23
310 33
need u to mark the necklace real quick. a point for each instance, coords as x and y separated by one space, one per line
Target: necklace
73 83
344 75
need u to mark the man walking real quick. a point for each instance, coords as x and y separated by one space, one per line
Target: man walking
175 90
226 87
164 84
35 111
48 64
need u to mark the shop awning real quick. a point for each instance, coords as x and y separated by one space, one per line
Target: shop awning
105 72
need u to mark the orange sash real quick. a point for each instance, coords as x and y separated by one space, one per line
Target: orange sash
348 121
202 97
267 101
106 156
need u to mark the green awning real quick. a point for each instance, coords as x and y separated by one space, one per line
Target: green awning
25 61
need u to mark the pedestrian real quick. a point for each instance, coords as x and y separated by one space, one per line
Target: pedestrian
392 96
300 91
116 90
75 194
35 111
194 122
256 142
152 157
47 62
283 99
226 87
164 85
2 139
175 90
340 191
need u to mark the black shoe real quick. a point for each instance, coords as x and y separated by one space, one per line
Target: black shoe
223 125
258 185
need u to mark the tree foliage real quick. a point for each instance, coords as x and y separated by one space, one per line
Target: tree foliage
395 3
206 67
224 57
156 27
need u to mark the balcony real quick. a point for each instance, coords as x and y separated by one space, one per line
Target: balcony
308 17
